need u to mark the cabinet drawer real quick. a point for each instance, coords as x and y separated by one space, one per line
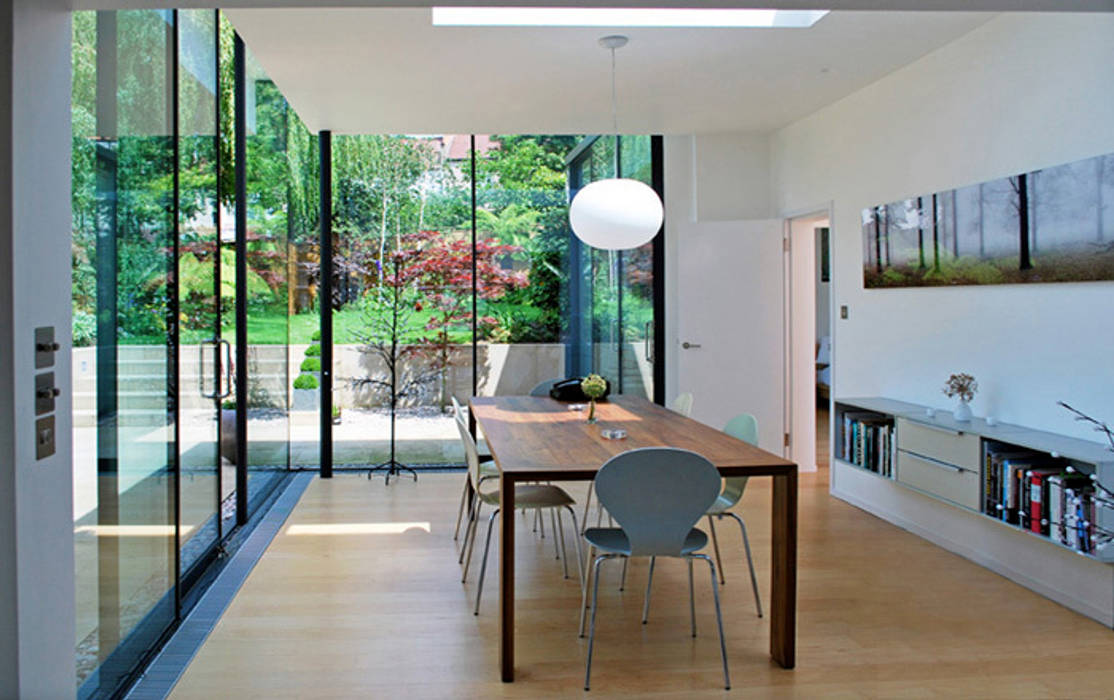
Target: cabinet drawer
960 449
959 486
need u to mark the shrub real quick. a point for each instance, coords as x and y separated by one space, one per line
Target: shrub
305 381
316 336
311 364
313 351
84 329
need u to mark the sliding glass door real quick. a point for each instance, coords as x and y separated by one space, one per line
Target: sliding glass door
615 316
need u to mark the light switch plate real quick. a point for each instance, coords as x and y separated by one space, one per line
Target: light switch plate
843 312
44 393
44 347
44 437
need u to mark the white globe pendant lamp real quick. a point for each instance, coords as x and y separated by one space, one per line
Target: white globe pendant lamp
615 213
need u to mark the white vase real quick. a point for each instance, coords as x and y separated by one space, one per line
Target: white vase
963 412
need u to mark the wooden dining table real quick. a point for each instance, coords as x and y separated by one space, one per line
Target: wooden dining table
540 439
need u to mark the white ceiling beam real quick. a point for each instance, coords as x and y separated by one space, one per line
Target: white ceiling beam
875 5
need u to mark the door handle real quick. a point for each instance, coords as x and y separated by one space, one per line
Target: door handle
227 368
647 346
201 368
690 346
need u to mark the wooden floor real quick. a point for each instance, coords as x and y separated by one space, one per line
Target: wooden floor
882 613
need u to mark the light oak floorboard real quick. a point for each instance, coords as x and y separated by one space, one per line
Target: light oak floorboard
881 613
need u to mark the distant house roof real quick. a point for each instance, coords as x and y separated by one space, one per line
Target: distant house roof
457 146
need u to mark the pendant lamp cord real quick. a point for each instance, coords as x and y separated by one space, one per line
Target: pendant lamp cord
614 112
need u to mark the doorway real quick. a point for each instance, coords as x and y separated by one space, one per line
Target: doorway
809 336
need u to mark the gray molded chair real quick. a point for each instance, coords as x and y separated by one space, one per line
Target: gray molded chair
542 388
682 404
657 495
487 468
743 427
526 497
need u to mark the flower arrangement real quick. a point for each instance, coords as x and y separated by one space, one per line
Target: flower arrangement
961 385
594 386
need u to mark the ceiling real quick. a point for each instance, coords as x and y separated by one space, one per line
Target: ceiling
388 70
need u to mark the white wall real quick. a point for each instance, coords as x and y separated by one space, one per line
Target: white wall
731 177
36 515
1018 93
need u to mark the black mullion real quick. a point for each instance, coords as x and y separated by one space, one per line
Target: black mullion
619 274
475 340
657 167
325 289
218 364
241 282
174 388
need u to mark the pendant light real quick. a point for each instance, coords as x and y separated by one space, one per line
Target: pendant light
616 213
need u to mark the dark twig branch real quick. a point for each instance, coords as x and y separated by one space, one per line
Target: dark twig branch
1099 425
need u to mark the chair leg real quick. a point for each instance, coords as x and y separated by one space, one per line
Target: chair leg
588 503
576 540
483 565
719 621
715 546
553 523
692 600
468 528
559 533
591 579
649 582
750 562
623 578
592 628
470 544
460 511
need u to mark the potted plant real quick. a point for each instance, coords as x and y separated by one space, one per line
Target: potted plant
594 386
962 386
313 350
312 365
336 414
305 393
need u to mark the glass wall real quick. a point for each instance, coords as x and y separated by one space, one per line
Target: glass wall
612 292
125 341
401 305
155 256
282 261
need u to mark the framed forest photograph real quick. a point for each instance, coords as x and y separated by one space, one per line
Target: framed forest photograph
1050 225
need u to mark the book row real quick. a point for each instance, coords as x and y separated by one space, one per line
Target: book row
867 441
1040 494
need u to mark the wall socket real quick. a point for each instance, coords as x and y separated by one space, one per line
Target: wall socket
843 311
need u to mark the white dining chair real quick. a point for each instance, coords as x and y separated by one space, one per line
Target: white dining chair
682 404
631 486
526 497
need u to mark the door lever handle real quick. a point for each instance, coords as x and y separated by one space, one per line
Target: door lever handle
690 346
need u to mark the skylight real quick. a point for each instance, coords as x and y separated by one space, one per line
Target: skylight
621 17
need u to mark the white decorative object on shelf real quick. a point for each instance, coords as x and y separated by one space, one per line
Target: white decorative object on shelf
962 386
963 412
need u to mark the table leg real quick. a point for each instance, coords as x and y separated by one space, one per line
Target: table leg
506 578
783 604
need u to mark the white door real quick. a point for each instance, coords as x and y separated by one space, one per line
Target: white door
730 312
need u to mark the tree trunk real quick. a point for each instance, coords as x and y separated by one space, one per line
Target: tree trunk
955 226
982 237
1023 220
1099 233
935 235
878 239
920 231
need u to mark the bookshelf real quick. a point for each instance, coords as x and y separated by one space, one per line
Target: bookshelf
1028 504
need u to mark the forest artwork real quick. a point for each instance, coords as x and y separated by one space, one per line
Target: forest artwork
1049 225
